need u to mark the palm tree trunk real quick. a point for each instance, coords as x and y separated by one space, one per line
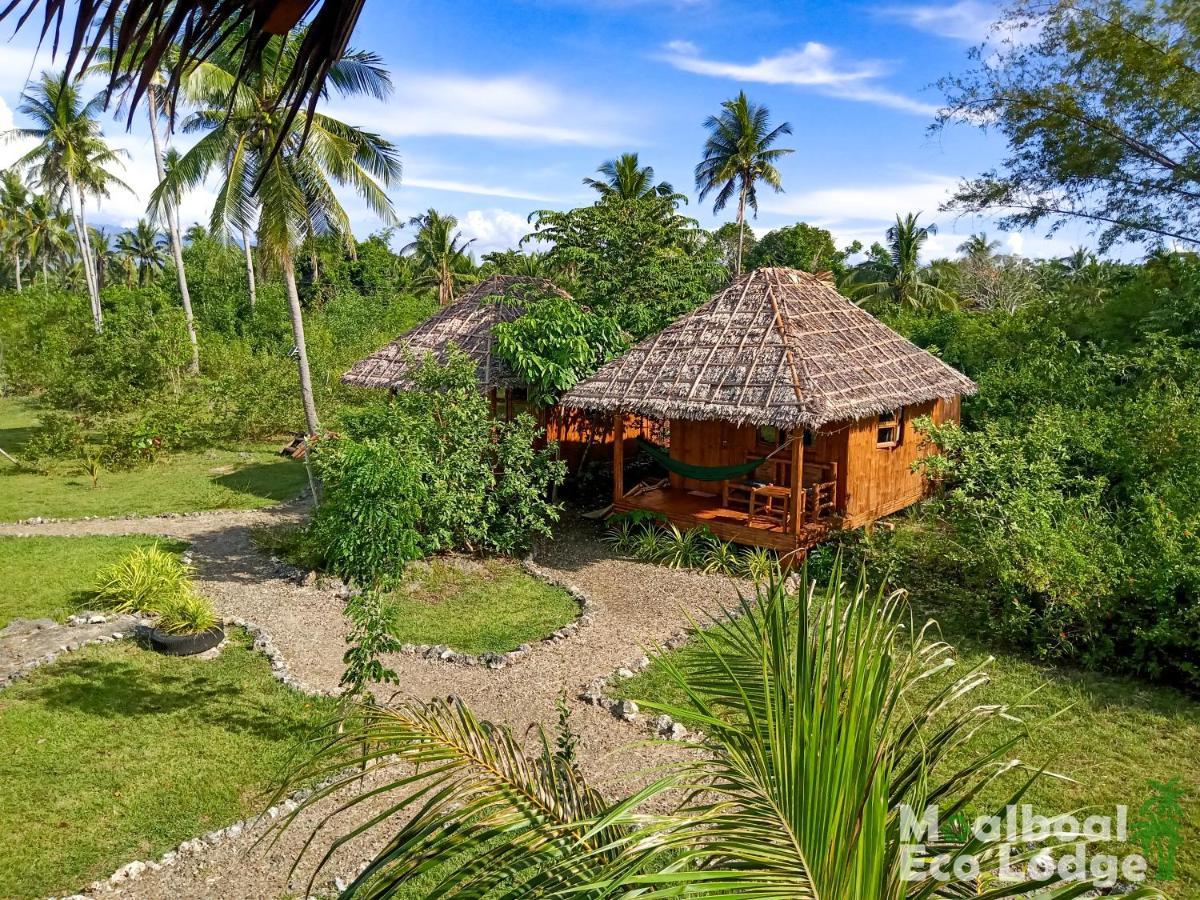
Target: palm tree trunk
45 272
17 260
306 391
85 255
741 226
249 267
173 232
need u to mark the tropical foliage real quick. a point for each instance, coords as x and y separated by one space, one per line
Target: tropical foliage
738 154
555 344
1098 102
812 745
428 472
439 254
638 262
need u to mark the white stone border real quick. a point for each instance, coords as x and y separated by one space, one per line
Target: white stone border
444 653
195 847
662 725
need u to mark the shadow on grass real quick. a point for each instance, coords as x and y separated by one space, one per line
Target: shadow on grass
119 689
279 480
13 440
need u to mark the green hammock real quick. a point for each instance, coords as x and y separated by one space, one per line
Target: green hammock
700 473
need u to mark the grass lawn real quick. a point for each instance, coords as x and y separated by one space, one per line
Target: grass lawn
1114 736
475 607
239 478
52 577
117 753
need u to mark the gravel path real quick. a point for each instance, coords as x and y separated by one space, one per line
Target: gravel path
636 607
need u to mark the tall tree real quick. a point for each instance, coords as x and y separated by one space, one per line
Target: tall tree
270 171
156 109
626 179
899 275
147 249
439 252
48 234
1099 101
738 154
71 157
14 204
799 246
978 247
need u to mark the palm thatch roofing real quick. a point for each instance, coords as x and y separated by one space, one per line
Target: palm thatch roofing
466 324
777 347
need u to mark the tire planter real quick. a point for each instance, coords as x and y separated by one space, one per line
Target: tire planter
186 644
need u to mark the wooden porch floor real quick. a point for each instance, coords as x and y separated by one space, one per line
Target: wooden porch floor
687 510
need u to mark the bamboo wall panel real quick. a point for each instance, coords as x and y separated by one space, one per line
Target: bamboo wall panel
879 480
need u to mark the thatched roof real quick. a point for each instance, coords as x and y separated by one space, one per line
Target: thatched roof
777 347
466 323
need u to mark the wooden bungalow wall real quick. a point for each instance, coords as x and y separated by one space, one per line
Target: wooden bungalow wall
573 429
880 481
873 481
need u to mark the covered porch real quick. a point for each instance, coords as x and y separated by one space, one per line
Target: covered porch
758 486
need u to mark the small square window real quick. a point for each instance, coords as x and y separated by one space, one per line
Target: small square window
889 428
768 434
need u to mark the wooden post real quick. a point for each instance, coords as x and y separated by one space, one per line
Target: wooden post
618 456
797 481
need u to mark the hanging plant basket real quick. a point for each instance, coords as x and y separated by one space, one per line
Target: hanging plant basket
186 644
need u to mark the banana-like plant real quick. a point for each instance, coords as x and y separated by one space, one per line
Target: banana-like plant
819 728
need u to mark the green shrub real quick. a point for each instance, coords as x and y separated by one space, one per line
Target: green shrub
427 472
58 436
186 613
145 581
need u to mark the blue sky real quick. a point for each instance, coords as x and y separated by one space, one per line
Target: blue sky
502 108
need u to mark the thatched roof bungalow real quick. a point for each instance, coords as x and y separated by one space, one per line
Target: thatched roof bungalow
789 411
467 324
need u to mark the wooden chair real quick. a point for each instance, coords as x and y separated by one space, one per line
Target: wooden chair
772 503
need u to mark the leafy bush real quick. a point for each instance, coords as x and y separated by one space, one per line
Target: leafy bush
1071 496
145 581
427 472
58 436
186 613
555 344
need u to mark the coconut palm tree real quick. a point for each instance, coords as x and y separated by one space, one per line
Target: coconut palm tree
626 179
824 719
738 154
272 176
48 235
901 278
147 249
71 158
978 247
157 100
14 208
439 253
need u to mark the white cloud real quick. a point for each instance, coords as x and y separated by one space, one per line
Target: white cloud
864 202
493 229
814 65
507 108
464 187
965 20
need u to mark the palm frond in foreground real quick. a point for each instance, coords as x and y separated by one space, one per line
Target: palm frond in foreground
814 742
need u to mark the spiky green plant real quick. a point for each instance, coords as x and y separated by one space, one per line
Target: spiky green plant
144 581
187 613
814 741
649 542
685 549
759 564
723 559
621 536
